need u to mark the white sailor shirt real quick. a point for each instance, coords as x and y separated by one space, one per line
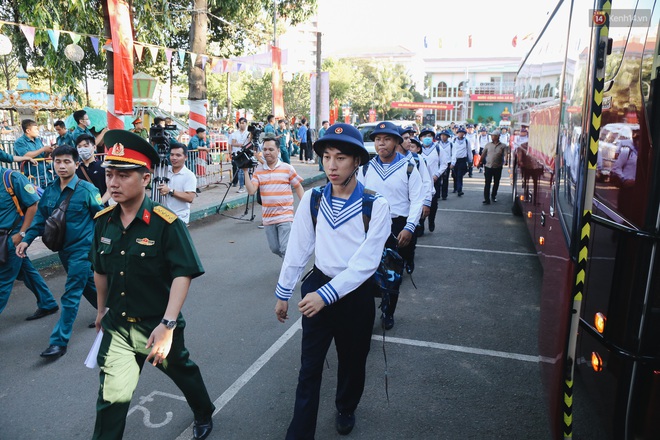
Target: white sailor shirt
403 193
429 188
483 140
431 156
472 139
445 156
461 149
342 249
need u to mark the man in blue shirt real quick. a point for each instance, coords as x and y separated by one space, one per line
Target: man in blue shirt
31 146
14 223
85 202
82 119
302 136
65 137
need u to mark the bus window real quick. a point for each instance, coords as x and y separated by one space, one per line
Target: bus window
624 153
576 79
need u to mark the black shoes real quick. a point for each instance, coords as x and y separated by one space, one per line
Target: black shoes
54 351
431 226
486 202
410 267
40 313
202 428
387 321
460 193
344 423
494 199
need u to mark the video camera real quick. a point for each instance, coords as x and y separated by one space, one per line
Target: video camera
159 136
244 158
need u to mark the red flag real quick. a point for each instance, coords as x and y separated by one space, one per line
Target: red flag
514 42
278 94
122 47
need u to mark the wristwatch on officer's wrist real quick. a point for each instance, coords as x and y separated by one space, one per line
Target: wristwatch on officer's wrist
171 325
171 192
22 234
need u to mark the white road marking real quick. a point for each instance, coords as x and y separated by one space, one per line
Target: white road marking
229 394
475 212
458 348
485 251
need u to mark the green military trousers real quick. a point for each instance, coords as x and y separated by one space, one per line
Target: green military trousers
121 357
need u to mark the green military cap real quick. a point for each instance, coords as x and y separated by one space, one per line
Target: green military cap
128 150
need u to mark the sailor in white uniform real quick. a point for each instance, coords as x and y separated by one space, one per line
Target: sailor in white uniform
399 181
337 295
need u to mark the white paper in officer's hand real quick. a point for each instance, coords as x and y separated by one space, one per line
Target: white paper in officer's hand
90 362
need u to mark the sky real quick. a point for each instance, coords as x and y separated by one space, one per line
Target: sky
349 24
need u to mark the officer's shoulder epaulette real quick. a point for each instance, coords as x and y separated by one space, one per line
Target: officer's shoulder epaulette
104 211
165 214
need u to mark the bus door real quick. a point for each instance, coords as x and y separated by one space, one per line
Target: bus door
618 348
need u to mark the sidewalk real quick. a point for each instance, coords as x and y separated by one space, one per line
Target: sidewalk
207 203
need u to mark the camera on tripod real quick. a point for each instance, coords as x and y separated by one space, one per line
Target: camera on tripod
160 136
244 158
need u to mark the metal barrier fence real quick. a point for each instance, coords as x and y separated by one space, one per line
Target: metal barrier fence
209 165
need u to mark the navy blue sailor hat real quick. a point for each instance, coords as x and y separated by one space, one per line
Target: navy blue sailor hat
343 134
388 128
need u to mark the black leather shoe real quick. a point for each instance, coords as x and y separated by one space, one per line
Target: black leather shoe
460 193
92 325
202 428
494 199
344 423
40 313
54 351
486 202
431 226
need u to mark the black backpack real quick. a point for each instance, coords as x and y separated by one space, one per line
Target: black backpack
55 226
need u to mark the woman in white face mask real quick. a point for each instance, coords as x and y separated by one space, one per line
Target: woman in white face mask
89 169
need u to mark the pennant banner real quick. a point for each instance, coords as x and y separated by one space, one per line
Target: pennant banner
182 57
28 31
168 55
154 53
138 51
122 46
95 44
75 38
54 36
193 58
204 59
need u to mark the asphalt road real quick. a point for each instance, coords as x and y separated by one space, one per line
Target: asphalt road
462 359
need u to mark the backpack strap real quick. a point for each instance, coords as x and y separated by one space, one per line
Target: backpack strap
368 197
365 167
437 149
411 167
315 203
9 186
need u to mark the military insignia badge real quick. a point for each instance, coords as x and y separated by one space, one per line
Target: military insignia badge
145 241
117 149
29 188
98 199
106 240
339 130
381 126
146 217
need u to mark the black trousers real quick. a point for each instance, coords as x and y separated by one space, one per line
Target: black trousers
444 183
491 175
350 323
438 190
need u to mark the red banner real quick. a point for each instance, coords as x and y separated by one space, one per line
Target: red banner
424 105
278 92
122 47
508 97
372 115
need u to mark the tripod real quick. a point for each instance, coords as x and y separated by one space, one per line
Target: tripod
160 175
247 203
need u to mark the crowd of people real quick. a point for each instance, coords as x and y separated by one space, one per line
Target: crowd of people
133 260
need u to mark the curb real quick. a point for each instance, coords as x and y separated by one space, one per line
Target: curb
52 260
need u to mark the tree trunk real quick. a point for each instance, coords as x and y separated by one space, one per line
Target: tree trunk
197 76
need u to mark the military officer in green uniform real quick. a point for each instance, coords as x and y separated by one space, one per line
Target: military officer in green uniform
143 260
84 203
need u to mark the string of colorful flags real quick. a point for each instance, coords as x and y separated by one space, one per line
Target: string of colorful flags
217 64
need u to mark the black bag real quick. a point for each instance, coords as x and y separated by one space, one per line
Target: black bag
55 227
4 245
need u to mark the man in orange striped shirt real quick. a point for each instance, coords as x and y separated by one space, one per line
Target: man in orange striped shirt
274 180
